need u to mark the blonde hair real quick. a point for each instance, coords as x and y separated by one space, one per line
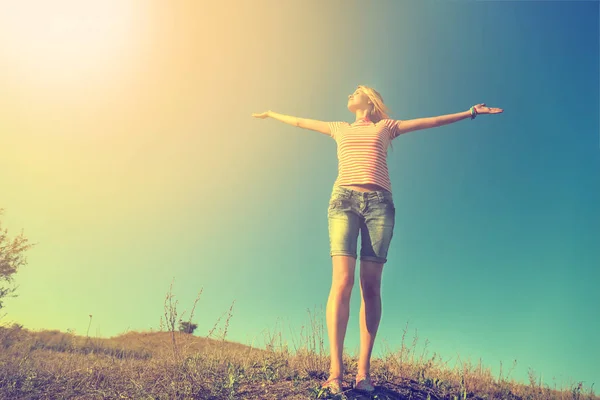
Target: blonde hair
380 110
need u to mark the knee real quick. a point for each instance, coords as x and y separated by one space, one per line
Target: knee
370 290
343 286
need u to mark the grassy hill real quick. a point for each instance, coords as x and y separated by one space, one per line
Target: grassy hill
171 364
177 365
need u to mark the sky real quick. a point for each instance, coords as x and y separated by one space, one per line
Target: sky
129 156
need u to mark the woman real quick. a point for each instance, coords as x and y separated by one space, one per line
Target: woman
361 201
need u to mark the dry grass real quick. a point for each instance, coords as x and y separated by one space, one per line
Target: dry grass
169 364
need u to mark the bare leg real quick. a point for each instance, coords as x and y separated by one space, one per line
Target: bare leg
338 310
370 311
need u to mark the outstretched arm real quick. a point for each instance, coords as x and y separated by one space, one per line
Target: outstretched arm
433 122
312 124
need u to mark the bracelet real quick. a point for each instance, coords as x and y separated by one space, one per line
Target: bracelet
473 112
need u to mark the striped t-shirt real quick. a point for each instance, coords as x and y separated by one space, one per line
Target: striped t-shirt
362 151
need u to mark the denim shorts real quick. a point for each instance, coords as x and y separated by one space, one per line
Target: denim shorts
371 213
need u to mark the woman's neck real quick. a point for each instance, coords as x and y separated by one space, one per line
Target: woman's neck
362 115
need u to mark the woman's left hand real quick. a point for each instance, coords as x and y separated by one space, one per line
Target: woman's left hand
483 109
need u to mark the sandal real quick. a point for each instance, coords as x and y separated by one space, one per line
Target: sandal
364 384
334 385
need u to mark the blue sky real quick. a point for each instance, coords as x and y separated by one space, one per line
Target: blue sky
153 169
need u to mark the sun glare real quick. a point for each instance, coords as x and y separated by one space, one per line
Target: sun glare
63 40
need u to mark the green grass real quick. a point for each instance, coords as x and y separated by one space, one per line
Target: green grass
169 364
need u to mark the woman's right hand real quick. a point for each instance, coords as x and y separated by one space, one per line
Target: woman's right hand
262 115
